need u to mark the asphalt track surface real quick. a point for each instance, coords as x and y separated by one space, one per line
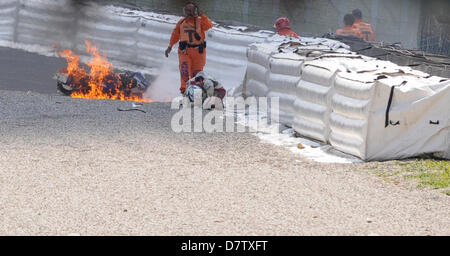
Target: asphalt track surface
23 71
75 166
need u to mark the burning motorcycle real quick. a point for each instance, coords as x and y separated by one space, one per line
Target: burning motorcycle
128 84
98 80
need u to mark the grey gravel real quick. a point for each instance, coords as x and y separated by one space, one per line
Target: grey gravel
80 167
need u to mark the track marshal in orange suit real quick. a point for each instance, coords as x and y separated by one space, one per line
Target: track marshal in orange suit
190 34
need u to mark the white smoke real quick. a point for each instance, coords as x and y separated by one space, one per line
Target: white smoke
166 86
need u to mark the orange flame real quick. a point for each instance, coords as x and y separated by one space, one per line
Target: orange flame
101 71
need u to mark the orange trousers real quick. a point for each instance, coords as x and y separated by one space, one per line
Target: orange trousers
190 63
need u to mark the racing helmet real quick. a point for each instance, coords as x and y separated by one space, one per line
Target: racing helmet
192 89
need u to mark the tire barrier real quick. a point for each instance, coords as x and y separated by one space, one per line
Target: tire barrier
369 108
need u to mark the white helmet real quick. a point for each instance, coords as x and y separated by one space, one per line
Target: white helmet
193 91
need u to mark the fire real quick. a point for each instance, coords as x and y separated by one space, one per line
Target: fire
91 84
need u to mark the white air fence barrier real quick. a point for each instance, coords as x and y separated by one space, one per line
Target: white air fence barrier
8 12
45 22
372 109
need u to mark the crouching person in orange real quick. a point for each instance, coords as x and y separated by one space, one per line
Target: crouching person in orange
190 33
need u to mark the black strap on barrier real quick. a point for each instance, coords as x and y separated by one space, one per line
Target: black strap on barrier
435 123
391 95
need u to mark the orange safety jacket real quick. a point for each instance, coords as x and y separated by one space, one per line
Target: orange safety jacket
190 32
287 32
348 31
187 29
366 30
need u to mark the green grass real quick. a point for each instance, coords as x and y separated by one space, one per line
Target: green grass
432 173
425 173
